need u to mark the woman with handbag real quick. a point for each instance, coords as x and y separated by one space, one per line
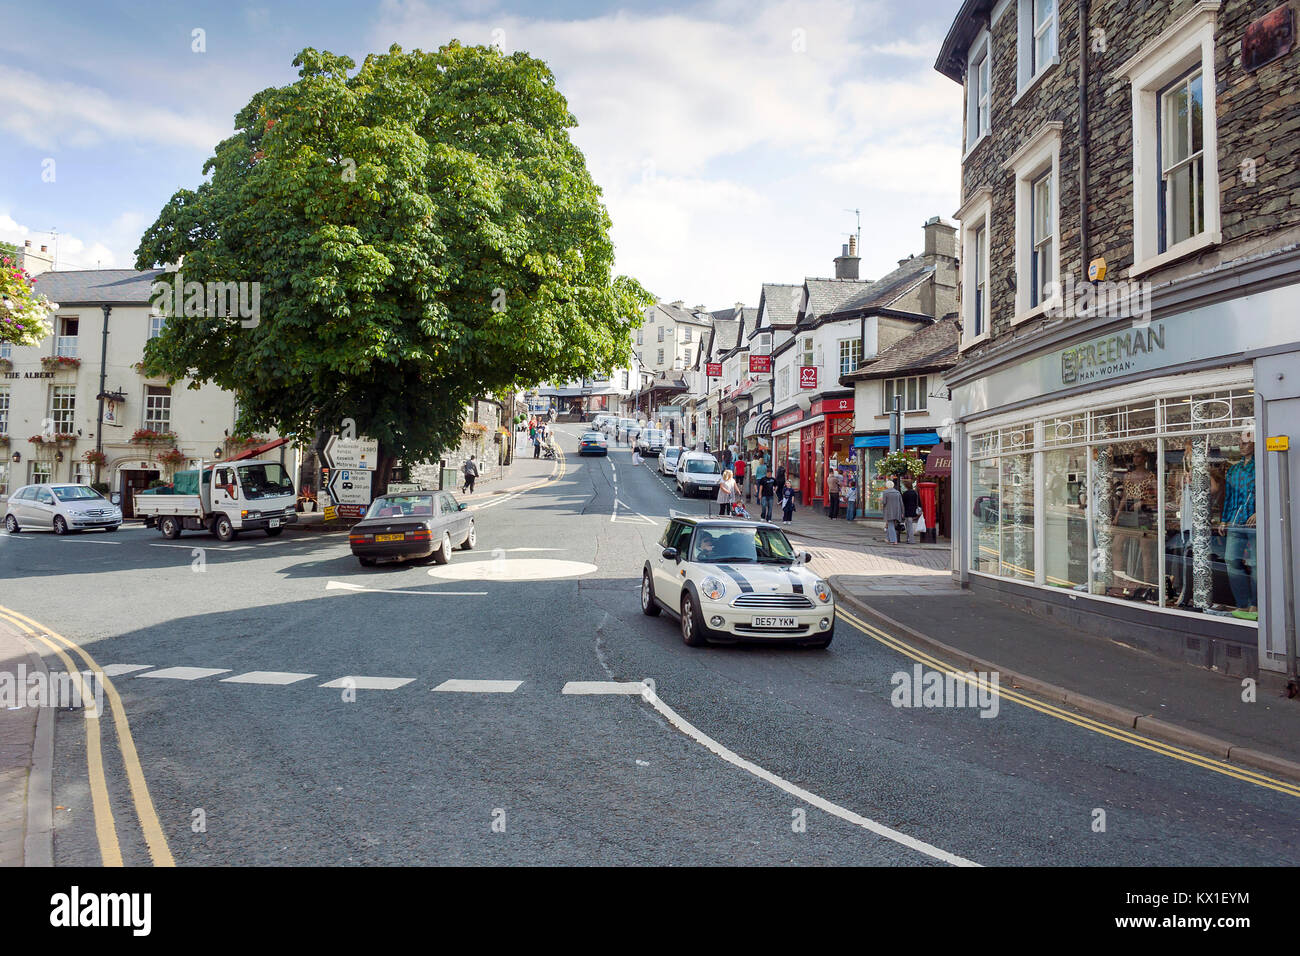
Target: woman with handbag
728 493
891 504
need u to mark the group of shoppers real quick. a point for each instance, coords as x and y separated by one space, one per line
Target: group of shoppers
901 510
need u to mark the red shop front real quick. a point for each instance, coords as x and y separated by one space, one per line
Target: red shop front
827 442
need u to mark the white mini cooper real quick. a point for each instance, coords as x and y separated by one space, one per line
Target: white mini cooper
732 580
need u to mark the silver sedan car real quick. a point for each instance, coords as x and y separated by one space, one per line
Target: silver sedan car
60 508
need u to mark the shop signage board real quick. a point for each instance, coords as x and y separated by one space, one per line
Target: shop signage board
713 369
939 462
789 418
352 511
1278 443
760 364
807 376
1248 323
832 406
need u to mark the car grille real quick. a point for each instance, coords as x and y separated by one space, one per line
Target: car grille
788 601
98 513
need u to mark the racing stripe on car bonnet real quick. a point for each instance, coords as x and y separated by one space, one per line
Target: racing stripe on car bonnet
795 582
745 586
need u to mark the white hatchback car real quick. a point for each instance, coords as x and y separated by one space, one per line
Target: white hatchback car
668 459
736 581
60 508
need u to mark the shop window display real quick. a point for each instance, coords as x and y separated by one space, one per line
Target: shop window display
1065 513
1126 527
985 545
1018 516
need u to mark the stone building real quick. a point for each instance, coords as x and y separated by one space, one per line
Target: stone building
1130 236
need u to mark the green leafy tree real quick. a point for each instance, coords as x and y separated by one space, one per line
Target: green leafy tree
424 232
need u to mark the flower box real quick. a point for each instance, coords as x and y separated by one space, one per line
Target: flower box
173 457
143 436
58 363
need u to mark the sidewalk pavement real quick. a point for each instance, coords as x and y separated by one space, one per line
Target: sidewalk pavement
811 521
1177 703
26 753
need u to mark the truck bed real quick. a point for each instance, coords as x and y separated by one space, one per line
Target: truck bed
188 506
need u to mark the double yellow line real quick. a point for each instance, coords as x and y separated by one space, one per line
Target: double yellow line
1087 723
110 850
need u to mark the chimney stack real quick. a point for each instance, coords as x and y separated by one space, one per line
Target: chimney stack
940 238
846 263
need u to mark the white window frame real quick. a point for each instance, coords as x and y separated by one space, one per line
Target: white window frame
4 410
40 472
660 360
1194 161
1029 69
6 350
66 415
156 324
65 346
854 361
977 214
899 386
979 109
1176 52
1040 154
806 353
782 382
147 405
686 333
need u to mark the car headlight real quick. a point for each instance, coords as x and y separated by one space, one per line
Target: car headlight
250 514
823 592
713 588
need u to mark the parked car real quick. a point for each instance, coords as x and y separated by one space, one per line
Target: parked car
698 472
668 459
593 443
60 508
729 580
417 525
651 442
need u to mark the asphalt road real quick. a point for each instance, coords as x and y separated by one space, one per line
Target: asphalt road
749 755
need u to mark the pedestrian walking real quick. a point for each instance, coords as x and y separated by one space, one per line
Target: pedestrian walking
739 472
766 491
537 445
787 505
780 481
833 493
727 493
470 470
892 506
911 508
849 495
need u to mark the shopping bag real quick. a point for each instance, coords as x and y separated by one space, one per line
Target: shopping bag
920 523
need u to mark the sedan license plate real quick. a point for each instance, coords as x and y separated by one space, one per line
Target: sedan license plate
390 537
275 522
771 621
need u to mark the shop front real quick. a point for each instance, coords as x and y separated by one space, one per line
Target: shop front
870 449
1127 474
787 445
827 444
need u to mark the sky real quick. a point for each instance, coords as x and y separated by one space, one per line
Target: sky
732 140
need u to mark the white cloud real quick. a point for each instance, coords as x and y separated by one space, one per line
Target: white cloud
112 250
52 115
730 138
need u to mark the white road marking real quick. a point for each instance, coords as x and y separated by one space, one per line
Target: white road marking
806 796
91 541
266 677
186 673
604 687
511 569
457 685
637 513
117 670
238 547
515 550
343 586
370 683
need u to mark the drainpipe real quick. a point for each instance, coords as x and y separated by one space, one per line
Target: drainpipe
103 374
1083 134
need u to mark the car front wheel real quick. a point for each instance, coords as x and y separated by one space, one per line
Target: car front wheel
649 606
692 622
11 524
223 529
60 525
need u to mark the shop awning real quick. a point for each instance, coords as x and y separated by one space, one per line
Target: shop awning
759 427
939 463
909 440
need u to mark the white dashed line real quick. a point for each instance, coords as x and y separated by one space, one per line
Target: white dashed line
278 678
370 683
344 586
118 670
479 686
187 673
604 687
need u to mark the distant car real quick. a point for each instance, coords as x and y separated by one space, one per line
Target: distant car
651 442
416 526
668 459
603 423
593 443
698 472
60 508
736 581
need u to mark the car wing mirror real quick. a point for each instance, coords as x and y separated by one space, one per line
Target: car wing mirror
806 557
671 554
460 506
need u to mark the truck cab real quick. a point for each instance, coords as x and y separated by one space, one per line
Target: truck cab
225 499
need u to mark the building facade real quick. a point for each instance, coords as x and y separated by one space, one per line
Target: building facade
1130 226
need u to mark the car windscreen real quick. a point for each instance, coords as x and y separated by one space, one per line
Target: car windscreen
654 434
264 481
593 436
742 546
672 453
703 466
75 492
401 506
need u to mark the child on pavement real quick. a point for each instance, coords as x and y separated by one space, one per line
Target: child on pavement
787 505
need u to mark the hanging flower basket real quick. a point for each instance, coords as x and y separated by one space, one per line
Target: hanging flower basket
900 463
236 443
96 458
58 363
475 430
172 457
6 365
144 436
4 441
